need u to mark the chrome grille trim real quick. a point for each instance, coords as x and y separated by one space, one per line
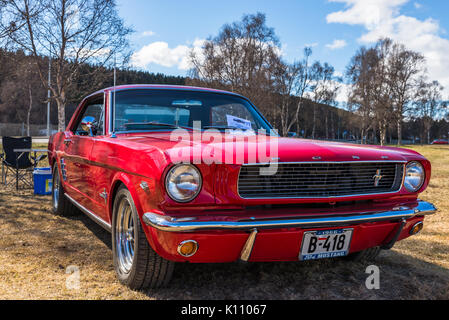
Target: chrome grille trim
337 187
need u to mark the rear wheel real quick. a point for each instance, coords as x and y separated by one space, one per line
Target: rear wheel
137 265
369 254
60 204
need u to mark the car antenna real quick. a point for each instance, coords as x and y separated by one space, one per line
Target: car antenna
115 83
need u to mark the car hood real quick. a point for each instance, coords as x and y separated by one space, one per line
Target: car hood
244 149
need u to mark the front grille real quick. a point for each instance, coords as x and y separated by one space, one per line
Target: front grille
320 180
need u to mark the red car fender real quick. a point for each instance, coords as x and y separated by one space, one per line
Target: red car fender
130 183
124 178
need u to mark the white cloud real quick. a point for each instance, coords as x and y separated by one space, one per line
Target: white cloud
338 74
382 18
366 12
417 5
337 44
160 53
148 33
311 45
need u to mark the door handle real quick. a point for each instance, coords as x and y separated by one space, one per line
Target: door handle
67 141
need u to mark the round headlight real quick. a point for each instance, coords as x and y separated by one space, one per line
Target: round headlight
183 182
414 176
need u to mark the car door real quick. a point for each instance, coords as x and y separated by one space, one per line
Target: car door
79 181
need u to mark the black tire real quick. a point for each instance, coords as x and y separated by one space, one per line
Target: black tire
62 206
147 269
364 255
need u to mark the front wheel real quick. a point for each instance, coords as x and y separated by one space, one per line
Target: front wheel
137 265
60 204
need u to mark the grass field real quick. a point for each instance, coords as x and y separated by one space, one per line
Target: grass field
36 248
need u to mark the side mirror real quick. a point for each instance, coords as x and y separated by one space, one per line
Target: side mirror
87 124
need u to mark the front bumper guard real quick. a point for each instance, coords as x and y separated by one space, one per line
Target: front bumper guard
170 224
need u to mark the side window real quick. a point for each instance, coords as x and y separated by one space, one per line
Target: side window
94 109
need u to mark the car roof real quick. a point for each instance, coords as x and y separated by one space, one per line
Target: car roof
161 87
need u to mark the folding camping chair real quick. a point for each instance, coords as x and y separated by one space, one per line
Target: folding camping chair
20 163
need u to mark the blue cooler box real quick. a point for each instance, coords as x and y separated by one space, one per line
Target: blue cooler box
42 181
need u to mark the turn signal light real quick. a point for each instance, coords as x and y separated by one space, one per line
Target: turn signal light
416 228
188 248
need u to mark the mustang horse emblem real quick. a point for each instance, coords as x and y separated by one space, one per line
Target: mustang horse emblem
377 178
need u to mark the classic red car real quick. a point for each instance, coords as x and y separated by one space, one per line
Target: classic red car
183 174
440 141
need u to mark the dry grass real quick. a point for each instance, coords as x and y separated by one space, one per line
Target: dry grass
36 247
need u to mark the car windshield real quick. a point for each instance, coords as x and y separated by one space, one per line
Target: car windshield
152 109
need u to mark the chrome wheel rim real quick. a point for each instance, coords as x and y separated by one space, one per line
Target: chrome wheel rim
124 236
56 191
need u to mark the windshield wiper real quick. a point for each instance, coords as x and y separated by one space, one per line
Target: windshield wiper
224 128
156 124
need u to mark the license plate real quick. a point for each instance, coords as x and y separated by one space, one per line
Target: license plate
325 244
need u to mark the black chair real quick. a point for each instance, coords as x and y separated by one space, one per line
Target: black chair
21 164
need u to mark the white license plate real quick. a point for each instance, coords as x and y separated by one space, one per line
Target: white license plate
325 244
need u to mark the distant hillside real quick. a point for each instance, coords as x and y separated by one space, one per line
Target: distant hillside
19 81
17 74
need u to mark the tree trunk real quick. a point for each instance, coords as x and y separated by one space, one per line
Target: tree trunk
29 110
61 115
399 125
383 132
298 110
297 120
327 126
332 126
314 122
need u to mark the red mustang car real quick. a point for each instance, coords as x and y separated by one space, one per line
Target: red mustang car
183 174
440 141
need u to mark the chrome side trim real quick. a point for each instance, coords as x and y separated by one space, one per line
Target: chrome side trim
90 214
166 223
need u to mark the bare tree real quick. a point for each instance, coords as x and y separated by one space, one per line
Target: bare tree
303 82
323 90
293 83
241 59
360 73
286 77
71 32
383 82
21 89
428 103
404 67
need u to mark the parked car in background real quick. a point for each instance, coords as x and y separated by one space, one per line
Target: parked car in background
440 141
142 162
43 132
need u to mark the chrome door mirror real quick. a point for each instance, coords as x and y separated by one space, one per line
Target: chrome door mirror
88 124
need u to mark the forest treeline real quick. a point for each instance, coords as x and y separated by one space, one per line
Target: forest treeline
23 98
386 87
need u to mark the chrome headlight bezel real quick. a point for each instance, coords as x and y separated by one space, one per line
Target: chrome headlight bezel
418 171
169 182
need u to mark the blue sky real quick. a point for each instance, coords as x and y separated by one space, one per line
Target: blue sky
166 30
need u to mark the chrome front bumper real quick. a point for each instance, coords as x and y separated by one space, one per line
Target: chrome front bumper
186 224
